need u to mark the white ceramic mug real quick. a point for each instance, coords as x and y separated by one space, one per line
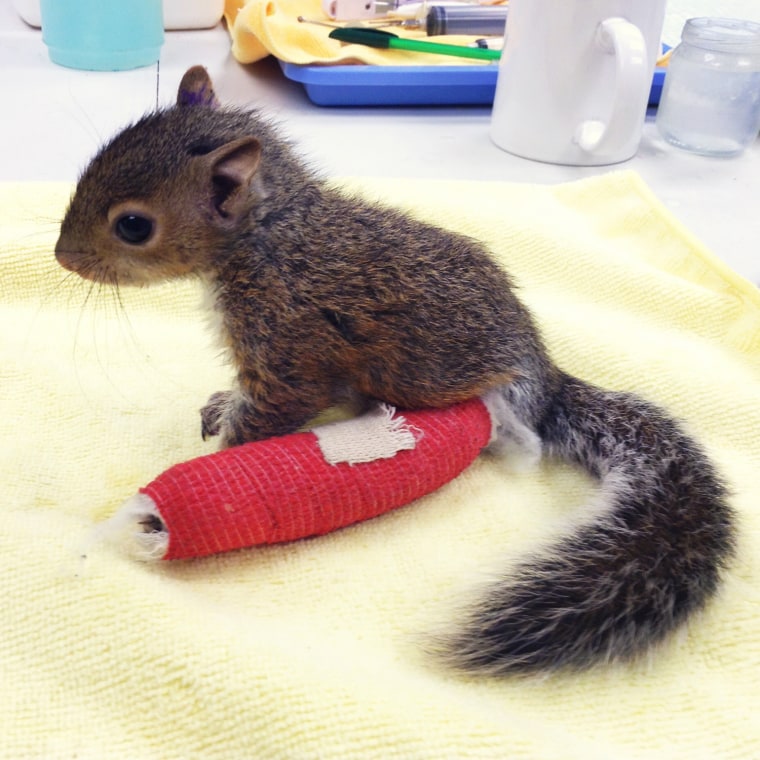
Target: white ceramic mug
574 79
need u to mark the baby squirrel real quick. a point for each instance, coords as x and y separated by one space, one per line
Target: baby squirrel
323 296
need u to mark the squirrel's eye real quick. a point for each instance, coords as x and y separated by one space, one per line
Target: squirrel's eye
133 229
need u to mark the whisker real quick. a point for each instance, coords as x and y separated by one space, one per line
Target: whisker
123 317
100 328
130 337
85 120
76 344
49 288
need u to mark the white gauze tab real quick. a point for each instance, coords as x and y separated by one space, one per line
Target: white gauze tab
378 434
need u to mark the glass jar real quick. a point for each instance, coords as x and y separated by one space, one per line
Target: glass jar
710 101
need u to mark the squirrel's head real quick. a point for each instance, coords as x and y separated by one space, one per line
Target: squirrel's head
164 193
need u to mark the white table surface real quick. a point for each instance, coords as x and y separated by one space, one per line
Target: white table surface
54 118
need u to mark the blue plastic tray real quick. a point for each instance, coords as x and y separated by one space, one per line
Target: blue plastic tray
407 85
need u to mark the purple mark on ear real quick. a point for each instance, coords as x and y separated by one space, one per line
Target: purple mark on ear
202 97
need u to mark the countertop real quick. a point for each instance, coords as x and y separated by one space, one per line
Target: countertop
55 118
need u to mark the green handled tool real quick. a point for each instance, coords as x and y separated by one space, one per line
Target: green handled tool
378 38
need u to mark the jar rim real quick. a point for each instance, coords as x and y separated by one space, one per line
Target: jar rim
723 34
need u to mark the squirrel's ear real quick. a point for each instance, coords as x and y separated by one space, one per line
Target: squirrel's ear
233 167
196 89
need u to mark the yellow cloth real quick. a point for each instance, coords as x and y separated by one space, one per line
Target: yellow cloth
270 27
311 650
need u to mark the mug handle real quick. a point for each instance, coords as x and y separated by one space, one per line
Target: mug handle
619 37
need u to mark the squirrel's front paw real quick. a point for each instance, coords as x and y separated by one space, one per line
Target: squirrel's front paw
213 413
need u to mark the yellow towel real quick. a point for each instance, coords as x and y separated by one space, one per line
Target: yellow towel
310 650
270 27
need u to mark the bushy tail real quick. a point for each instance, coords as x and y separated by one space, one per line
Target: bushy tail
623 581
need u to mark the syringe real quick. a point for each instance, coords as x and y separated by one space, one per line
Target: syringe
354 10
466 19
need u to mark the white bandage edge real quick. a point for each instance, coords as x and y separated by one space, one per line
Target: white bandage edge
132 529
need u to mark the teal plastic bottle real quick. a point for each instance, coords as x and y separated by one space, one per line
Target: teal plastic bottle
103 35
